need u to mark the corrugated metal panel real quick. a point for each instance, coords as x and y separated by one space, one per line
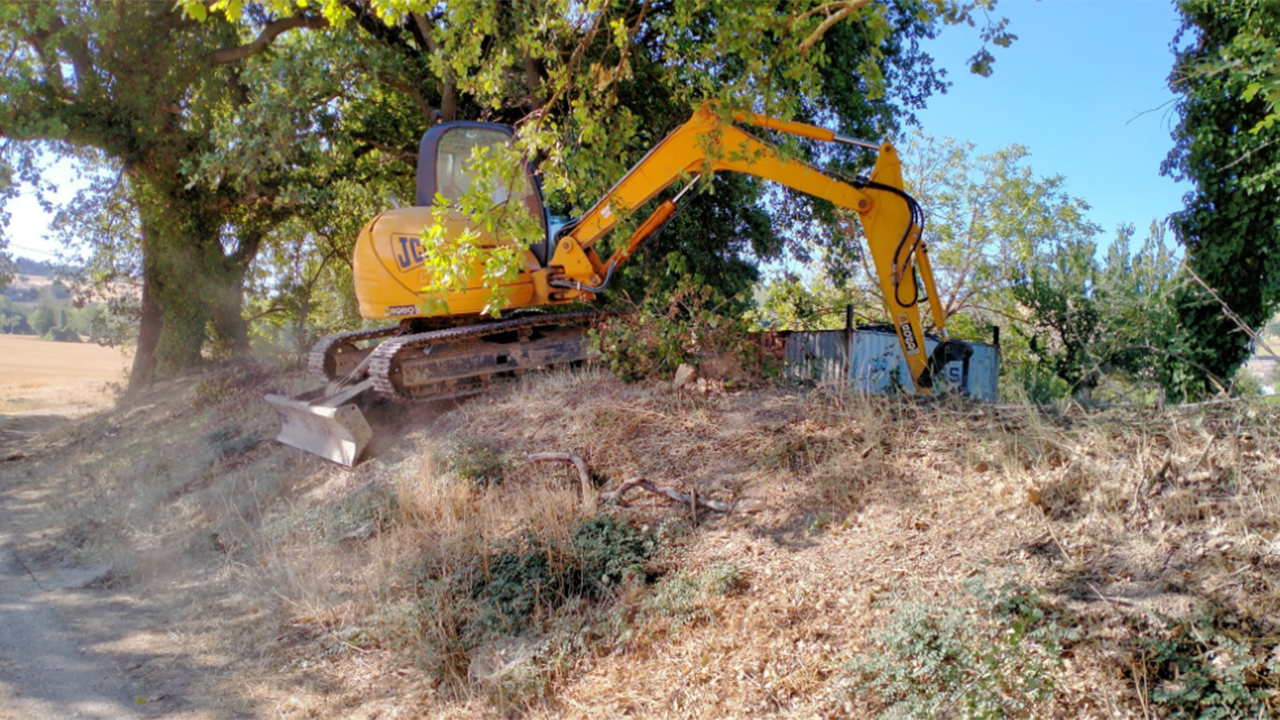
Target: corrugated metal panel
872 362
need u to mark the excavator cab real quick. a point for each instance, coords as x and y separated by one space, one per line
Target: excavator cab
444 156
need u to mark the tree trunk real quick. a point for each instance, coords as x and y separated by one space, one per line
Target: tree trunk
226 293
144 360
175 306
231 332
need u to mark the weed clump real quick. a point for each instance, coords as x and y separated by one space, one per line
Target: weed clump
360 514
682 598
516 587
532 574
228 441
474 459
1195 668
992 654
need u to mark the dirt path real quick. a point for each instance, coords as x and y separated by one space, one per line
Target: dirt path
46 668
68 647
45 671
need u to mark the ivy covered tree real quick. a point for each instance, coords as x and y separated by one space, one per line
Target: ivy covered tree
1228 148
142 87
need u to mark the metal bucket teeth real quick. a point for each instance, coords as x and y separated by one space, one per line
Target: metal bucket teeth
329 425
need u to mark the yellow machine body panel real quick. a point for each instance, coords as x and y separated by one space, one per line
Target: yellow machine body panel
389 271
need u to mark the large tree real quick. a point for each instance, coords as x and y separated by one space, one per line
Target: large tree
592 86
1228 147
228 125
142 87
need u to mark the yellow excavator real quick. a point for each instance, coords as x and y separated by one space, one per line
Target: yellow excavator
442 346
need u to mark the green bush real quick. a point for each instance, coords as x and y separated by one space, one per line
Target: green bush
62 334
43 319
530 574
989 654
516 587
690 325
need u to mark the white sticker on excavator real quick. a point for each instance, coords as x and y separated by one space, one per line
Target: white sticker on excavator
908 337
606 212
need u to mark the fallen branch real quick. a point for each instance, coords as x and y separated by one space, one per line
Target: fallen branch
584 475
691 500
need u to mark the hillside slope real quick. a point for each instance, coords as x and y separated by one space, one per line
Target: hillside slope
883 555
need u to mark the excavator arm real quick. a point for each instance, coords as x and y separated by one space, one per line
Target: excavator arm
891 219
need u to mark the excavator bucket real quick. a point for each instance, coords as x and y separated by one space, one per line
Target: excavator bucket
325 422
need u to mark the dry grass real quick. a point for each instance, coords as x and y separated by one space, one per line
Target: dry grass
311 583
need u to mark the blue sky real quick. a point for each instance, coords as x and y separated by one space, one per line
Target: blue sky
1083 87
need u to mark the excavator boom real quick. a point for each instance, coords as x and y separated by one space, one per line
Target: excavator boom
891 219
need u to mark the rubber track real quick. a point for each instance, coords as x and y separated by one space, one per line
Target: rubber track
320 350
380 365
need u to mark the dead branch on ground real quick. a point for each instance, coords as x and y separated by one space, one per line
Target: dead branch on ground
691 500
584 475
589 498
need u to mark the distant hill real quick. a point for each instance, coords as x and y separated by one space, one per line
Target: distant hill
43 268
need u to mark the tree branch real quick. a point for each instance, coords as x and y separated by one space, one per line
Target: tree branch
830 22
409 90
448 83
269 33
692 500
584 475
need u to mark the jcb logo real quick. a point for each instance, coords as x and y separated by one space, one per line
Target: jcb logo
908 337
407 251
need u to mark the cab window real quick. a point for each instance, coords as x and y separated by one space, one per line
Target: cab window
453 158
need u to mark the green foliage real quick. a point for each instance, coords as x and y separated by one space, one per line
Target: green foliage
690 325
989 216
1246 384
1091 319
517 585
43 319
530 574
1197 669
1024 378
474 459
682 597
13 318
994 654
789 303
1227 148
